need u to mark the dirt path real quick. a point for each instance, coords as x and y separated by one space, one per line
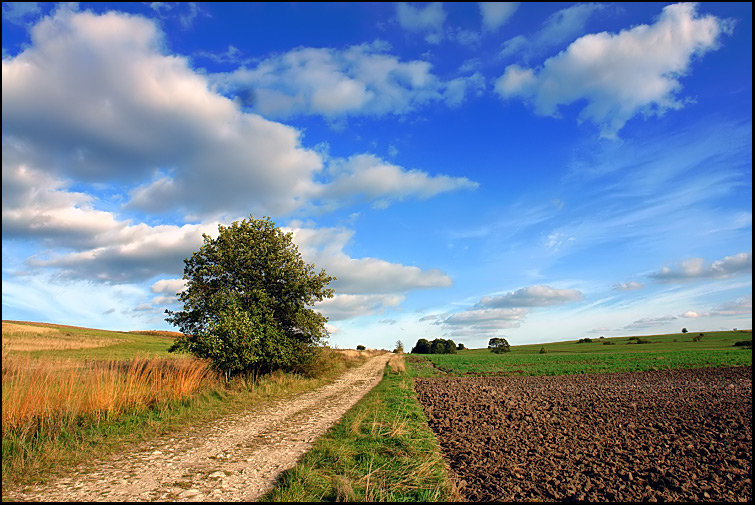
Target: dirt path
235 459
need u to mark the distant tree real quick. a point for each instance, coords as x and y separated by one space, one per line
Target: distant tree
585 340
684 330
360 347
498 345
422 347
399 346
460 347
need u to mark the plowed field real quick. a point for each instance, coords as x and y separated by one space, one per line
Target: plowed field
673 435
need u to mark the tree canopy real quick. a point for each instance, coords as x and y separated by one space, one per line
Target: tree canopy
247 301
437 346
498 345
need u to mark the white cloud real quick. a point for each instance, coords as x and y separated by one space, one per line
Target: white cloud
368 176
427 20
116 109
739 307
482 322
649 322
18 12
169 286
695 268
496 14
365 276
628 286
620 75
359 80
532 296
346 306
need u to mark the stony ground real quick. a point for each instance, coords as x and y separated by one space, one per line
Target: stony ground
676 435
236 459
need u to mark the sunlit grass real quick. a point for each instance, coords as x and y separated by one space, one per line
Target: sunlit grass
381 450
619 354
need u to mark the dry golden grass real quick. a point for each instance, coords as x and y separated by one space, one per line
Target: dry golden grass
55 393
24 337
396 363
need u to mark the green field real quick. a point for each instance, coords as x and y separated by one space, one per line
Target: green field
623 354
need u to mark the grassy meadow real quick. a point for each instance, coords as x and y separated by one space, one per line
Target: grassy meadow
73 394
615 354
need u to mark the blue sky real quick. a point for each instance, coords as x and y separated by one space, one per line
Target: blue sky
542 172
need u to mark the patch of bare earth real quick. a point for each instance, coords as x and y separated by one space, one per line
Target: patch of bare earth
235 459
674 435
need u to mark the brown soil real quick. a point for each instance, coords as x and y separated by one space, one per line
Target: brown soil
674 435
237 458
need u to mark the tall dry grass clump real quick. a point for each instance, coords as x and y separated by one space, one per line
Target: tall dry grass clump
396 363
46 395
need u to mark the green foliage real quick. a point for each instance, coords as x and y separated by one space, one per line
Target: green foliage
399 346
684 330
246 301
697 338
499 345
609 342
437 346
460 347
542 351
743 343
360 347
584 341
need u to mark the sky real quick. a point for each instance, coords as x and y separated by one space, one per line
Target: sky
537 171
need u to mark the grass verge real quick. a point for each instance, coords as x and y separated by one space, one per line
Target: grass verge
381 450
56 442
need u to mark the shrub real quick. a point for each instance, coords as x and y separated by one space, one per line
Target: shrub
684 330
743 343
608 342
360 347
584 341
643 341
460 347
542 350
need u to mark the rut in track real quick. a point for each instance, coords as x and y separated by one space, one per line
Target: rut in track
235 459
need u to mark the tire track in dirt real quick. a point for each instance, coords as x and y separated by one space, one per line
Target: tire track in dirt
234 459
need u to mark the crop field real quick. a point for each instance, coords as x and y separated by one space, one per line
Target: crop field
624 354
667 419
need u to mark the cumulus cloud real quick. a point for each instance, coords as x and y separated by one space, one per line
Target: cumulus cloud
346 306
636 71
368 176
496 14
628 286
494 313
532 296
169 286
428 20
739 307
697 269
359 80
364 276
97 98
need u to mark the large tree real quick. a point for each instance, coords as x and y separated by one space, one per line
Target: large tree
248 299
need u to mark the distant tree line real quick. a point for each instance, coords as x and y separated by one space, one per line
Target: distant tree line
437 346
